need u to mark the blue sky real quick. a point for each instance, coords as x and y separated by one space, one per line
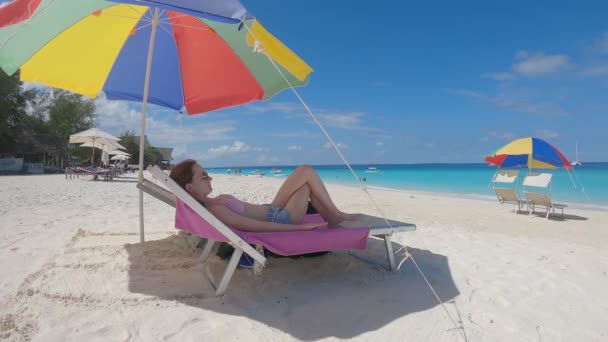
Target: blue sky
399 82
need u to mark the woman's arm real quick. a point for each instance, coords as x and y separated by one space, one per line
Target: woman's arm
232 219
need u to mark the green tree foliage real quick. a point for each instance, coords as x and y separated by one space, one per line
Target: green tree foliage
152 155
53 113
127 139
70 113
13 104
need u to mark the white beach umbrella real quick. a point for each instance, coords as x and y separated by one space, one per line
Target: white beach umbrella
93 135
119 157
106 146
119 153
105 158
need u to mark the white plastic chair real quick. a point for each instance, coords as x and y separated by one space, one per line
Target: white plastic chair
507 194
540 198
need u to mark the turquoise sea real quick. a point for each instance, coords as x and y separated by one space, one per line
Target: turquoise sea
586 184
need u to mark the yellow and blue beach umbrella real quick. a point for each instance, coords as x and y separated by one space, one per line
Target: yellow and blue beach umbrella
529 152
208 54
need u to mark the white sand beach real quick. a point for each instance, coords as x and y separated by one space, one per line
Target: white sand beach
72 269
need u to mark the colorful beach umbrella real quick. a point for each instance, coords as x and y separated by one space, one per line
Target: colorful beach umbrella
198 64
529 152
190 55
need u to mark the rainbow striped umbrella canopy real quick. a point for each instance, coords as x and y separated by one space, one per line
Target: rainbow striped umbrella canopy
529 152
208 54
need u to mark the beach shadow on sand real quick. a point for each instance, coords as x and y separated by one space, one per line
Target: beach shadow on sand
334 295
124 180
554 216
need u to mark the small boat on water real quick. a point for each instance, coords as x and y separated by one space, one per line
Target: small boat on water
257 173
275 170
372 169
576 162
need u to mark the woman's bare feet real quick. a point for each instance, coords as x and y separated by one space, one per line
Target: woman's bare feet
343 217
351 217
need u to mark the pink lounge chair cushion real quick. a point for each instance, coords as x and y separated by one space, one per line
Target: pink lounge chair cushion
284 243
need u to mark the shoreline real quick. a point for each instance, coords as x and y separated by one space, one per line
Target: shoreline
468 195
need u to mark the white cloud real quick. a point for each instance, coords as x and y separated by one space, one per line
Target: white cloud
498 76
117 117
595 71
281 107
340 145
300 134
32 85
546 134
180 152
294 148
264 159
379 144
329 118
236 147
494 135
343 120
601 44
517 101
539 64
468 93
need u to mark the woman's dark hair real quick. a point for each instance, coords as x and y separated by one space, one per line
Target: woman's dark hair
182 172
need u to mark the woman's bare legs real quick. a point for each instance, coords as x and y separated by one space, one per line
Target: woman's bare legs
306 175
297 204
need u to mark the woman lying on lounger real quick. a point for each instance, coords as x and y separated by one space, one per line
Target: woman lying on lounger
286 211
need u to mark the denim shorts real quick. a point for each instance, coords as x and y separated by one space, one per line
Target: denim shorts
277 214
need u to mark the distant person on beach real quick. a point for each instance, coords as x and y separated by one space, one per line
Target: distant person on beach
285 213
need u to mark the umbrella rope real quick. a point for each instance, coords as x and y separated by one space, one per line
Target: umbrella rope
571 179
407 255
581 185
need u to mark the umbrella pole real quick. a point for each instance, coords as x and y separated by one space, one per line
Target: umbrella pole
93 153
144 107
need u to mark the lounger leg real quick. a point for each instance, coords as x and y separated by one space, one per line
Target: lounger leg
501 204
548 212
234 261
206 250
389 252
530 211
